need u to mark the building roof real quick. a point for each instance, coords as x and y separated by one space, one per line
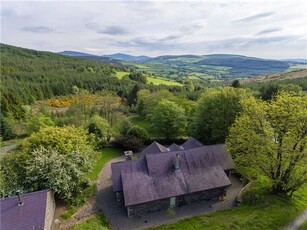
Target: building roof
191 143
153 148
154 176
30 215
174 147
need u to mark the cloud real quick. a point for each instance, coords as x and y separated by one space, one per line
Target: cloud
242 42
114 30
8 13
268 31
38 29
255 17
168 38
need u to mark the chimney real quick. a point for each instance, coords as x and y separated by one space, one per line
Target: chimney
20 201
128 155
177 161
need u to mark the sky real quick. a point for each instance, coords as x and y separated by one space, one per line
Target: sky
259 28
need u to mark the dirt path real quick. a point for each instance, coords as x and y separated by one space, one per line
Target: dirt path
297 222
8 148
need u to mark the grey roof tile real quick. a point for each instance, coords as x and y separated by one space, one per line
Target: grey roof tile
154 177
30 215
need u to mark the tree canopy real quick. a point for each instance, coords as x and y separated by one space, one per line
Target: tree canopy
269 138
168 119
52 158
215 112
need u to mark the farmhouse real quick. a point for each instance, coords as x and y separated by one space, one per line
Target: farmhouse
29 211
168 177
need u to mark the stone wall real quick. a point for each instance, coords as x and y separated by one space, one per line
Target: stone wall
201 196
50 208
143 209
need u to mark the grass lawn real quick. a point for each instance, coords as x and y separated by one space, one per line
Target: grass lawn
272 213
97 222
137 120
102 157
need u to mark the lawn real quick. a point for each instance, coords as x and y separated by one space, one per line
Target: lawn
102 157
139 121
97 222
273 212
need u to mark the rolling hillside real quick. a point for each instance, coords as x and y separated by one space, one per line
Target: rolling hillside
217 66
204 67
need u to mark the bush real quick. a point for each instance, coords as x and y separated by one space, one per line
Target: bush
128 143
138 132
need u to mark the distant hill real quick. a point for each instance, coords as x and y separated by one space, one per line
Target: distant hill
295 61
217 66
204 67
126 57
75 54
91 57
277 77
29 75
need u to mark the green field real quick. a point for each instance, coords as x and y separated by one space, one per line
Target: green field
153 80
162 81
296 67
120 75
102 157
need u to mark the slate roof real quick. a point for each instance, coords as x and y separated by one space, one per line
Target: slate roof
174 147
30 215
153 148
191 143
154 177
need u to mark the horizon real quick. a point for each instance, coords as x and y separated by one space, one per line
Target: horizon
269 30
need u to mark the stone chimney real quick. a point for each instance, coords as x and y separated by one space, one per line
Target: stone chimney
20 201
177 161
128 155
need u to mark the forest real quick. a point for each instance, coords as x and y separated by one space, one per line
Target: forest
63 111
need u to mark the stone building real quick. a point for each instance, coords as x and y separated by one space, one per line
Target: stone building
33 211
171 176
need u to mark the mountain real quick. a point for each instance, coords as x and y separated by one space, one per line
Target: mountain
216 66
129 58
75 54
91 57
296 61
29 75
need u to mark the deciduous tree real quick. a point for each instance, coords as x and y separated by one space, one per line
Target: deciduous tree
215 112
269 138
168 119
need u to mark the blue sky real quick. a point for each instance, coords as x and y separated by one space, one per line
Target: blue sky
268 29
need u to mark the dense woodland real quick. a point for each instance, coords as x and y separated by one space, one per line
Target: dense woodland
68 108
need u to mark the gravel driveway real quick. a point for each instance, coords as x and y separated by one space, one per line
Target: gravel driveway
117 215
